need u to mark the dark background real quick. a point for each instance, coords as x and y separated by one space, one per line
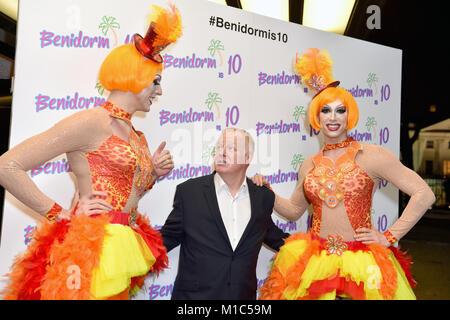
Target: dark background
418 29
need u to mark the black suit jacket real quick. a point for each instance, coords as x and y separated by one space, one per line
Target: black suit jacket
208 267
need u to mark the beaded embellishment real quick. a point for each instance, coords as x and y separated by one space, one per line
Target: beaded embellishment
53 212
335 245
329 180
139 144
390 237
343 144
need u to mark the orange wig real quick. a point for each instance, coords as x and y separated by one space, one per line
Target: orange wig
125 69
329 95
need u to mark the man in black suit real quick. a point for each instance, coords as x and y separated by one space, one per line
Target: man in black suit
221 221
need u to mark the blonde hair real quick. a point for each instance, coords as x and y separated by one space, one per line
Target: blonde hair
329 95
125 69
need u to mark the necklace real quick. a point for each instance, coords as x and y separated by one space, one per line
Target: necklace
342 144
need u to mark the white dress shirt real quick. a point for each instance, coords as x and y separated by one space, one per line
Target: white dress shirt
235 211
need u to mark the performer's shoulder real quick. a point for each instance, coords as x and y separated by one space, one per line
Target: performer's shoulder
90 119
306 165
373 150
308 162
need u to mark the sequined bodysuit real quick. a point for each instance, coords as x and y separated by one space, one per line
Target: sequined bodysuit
330 183
114 164
99 159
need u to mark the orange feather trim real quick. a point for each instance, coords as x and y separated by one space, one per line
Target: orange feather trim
405 262
293 276
124 295
167 24
315 67
29 269
389 283
154 241
275 284
137 283
69 274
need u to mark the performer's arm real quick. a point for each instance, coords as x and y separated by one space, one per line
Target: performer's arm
172 231
292 209
274 236
386 166
79 132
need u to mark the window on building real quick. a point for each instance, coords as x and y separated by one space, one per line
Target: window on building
430 144
449 144
446 167
429 167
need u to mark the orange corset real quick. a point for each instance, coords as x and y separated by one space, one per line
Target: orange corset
112 169
330 183
115 163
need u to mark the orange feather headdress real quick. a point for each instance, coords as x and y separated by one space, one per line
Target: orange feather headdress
316 68
164 28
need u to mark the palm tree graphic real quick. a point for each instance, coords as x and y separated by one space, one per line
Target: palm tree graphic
370 124
297 160
99 88
372 80
215 46
109 23
299 112
213 99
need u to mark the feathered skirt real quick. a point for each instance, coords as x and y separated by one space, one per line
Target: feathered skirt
99 257
308 267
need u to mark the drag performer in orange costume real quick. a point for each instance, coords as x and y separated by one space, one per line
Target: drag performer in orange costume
342 256
103 248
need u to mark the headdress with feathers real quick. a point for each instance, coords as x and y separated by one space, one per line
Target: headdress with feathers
316 68
164 28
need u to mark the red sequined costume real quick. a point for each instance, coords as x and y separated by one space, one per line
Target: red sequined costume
326 262
99 257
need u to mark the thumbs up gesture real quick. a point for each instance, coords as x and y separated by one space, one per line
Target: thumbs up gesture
162 160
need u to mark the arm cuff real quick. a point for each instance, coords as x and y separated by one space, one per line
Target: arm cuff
53 213
390 237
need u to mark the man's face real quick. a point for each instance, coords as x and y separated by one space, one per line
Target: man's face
231 155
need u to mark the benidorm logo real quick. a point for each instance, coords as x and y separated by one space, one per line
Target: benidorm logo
368 136
282 78
79 40
192 61
52 167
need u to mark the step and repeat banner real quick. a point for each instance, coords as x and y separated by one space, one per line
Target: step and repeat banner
231 68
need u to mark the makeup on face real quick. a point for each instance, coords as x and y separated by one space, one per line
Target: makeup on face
149 94
333 118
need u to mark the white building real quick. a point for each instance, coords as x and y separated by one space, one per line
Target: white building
431 158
